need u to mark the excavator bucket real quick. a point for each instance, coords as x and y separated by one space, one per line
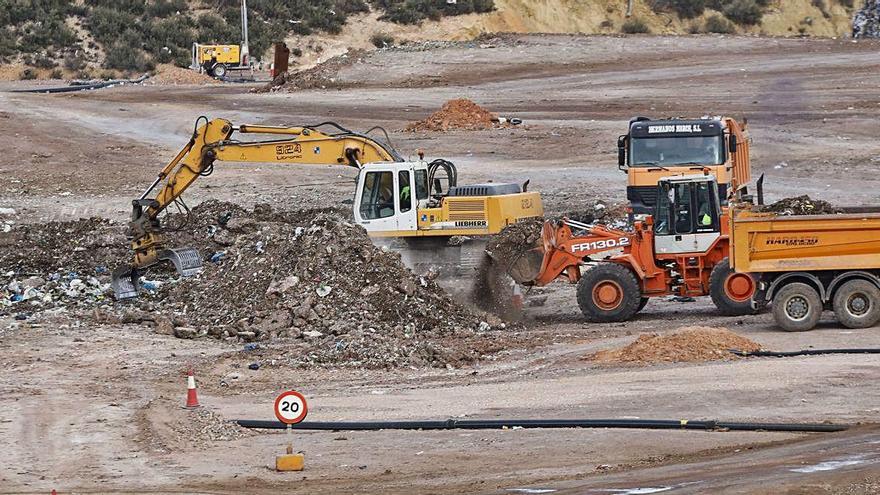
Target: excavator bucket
186 261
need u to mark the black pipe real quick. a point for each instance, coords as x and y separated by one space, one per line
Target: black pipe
82 87
492 424
805 352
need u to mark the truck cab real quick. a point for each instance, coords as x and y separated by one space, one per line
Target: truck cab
653 149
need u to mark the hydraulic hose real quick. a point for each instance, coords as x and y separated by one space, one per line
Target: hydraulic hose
493 424
805 352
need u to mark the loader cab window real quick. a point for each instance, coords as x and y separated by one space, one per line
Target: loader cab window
377 198
404 190
687 208
421 184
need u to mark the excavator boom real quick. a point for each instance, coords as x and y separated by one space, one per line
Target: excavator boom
212 140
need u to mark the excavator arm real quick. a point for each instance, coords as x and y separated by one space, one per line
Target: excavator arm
213 140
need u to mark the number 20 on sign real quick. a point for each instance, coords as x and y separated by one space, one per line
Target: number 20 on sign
291 407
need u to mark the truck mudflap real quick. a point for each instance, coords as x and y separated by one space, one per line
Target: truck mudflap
759 299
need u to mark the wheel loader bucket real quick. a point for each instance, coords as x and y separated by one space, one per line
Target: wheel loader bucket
526 267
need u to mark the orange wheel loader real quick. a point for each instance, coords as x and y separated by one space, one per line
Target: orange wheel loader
682 249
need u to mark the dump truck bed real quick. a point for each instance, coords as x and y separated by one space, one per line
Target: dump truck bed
768 242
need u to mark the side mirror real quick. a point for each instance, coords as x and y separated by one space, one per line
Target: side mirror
621 152
732 143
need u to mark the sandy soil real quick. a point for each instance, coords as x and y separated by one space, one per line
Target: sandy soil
96 408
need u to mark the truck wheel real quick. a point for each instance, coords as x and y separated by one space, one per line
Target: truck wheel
609 292
797 307
857 304
731 292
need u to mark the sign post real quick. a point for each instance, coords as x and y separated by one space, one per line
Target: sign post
290 408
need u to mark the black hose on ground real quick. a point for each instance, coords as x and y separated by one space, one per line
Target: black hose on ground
805 352
492 424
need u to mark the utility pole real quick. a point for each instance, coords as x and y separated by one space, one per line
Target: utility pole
245 53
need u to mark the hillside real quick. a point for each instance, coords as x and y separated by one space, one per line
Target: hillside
87 38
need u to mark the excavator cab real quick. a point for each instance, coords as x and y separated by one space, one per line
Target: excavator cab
687 215
389 194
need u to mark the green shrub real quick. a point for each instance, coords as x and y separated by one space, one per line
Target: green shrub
43 62
27 74
382 40
744 12
57 74
107 24
718 24
74 61
126 54
686 9
165 8
635 26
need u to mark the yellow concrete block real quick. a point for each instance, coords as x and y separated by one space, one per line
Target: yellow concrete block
290 462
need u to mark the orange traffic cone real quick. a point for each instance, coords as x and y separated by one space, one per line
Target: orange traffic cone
192 400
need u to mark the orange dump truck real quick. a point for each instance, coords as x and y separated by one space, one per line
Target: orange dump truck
805 264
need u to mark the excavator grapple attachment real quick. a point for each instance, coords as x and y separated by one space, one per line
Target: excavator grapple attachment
124 283
187 261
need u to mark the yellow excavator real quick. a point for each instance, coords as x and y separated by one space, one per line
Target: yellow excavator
394 197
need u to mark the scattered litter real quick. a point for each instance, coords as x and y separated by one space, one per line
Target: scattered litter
254 366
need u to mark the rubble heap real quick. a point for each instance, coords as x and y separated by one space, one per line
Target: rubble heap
802 205
59 264
866 21
321 76
686 344
460 113
309 281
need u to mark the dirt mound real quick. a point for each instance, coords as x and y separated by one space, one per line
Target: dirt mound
458 114
802 205
684 345
167 74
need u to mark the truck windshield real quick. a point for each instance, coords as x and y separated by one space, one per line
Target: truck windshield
666 151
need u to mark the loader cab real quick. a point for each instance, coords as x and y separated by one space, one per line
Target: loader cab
687 215
389 195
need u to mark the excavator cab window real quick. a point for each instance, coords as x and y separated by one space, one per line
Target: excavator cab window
377 200
405 191
421 184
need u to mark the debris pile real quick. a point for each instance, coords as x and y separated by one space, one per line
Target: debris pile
322 76
866 22
802 205
58 264
687 344
458 114
167 74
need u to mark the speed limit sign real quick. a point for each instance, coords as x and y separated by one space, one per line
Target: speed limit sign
291 407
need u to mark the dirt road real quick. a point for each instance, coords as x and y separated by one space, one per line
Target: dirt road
96 408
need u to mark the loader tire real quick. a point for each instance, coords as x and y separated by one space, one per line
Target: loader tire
730 291
643 303
609 292
797 307
857 304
